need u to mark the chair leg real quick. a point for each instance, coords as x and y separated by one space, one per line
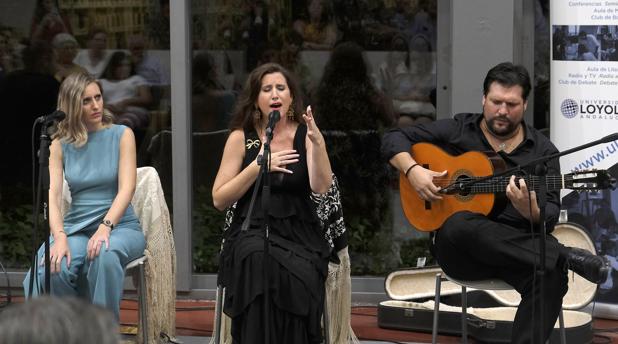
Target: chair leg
142 302
218 314
464 315
436 310
562 330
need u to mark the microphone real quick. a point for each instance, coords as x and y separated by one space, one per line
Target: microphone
273 118
57 115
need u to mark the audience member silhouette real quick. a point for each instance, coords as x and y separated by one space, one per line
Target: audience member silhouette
346 96
6 56
290 58
146 65
126 94
96 57
407 77
352 113
318 30
256 33
212 103
424 22
159 27
25 95
65 50
47 21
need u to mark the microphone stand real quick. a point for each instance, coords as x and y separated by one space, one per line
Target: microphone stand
540 169
265 209
43 197
263 178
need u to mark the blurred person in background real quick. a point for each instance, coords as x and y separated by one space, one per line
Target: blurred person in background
407 77
127 95
6 54
146 64
47 21
159 27
96 57
26 94
291 59
352 114
212 103
65 50
318 29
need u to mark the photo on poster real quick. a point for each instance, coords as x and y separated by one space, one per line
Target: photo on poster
596 212
584 42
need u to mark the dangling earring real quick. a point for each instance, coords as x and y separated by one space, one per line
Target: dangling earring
257 114
290 112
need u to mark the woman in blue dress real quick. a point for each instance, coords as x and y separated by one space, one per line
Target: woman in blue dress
297 252
100 233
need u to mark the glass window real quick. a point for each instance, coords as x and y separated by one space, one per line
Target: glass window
363 66
124 43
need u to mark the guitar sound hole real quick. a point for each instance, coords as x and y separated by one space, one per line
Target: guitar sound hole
464 193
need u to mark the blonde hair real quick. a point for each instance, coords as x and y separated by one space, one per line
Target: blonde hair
72 129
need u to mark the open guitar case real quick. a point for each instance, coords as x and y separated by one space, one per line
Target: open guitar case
490 312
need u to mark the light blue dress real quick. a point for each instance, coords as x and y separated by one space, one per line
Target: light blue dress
92 174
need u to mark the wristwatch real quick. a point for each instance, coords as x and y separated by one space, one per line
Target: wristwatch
108 223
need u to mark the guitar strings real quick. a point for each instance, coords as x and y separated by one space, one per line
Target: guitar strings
498 184
500 179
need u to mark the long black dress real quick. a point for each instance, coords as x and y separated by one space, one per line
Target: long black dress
298 258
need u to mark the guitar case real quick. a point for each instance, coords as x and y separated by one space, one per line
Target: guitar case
412 293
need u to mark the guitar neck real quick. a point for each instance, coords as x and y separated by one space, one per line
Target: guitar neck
498 184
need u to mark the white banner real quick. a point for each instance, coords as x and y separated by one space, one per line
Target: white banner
584 108
584 83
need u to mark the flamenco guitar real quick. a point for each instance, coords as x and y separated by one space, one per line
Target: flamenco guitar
479 197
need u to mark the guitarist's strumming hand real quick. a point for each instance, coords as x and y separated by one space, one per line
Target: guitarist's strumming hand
422 180
517 192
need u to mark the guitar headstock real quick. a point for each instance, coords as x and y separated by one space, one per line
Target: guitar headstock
589 180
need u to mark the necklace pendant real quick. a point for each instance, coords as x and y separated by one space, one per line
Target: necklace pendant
502 146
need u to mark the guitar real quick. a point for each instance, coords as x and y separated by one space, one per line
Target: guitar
479 197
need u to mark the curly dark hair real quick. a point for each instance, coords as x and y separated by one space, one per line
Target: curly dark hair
242 117
346 97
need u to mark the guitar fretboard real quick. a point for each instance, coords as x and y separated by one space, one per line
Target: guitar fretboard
498 184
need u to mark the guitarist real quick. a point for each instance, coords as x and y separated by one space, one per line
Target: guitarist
472 246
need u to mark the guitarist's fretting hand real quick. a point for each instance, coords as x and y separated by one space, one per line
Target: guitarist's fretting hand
422 180
520 199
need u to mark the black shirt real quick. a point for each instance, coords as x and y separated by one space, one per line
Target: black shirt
462 134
